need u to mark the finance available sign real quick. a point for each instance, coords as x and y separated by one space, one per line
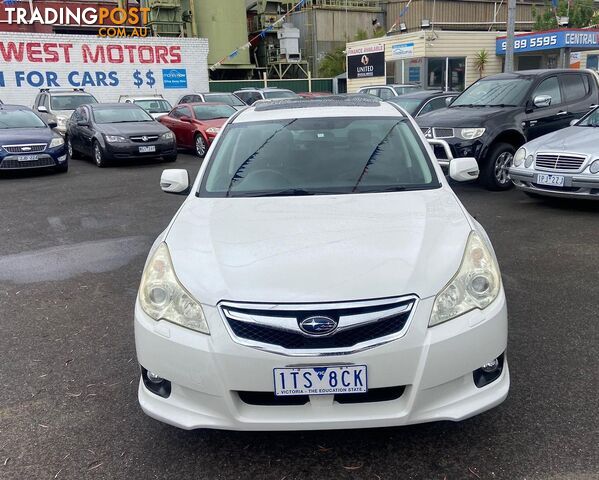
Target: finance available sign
366 62
104 67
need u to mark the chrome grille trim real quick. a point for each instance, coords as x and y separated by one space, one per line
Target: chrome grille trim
144 138
25 148
559 161
282 322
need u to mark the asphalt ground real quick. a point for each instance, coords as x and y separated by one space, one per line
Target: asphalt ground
71 254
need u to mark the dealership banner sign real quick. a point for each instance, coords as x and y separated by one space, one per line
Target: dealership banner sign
566 38
107 68
366 62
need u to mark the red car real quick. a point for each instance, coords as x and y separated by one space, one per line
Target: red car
195 125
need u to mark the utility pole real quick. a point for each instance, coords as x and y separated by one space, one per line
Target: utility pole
511 30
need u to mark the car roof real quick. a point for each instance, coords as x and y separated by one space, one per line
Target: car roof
142 97
323 107
532 73
12 107
202 104
423 95
392 85
101 106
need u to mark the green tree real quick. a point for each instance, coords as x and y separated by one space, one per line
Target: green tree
333 62
581 14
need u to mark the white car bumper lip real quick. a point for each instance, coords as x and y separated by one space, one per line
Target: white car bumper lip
434 365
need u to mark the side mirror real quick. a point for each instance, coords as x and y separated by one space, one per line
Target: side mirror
42 109
52 124
449 100
541 101
463 169
574 122
175 180
185 118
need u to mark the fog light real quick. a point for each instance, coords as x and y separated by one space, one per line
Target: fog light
489 372
491 366
155 384
62 159
152 377
529 161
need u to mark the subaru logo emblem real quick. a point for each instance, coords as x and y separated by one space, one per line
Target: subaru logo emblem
144 138
318 325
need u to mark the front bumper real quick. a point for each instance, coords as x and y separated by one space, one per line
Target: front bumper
130 150
435 365
49 158
576 185
449 148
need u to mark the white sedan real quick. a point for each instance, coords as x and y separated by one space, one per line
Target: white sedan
320 274
564 163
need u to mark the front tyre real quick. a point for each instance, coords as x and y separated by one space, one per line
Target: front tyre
200 145
495 171
70 149
99 157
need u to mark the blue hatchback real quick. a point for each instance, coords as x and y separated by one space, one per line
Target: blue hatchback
26 141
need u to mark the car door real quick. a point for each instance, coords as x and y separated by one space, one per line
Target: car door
73 129
541 120
185 128
177 126
578 94
85 131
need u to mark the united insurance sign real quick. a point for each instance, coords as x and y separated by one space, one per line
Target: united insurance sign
366 62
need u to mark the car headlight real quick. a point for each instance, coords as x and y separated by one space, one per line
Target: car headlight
168 136
213 130
115 139
519 157
162 297
56 142
471 133
529 161
594 168
475 285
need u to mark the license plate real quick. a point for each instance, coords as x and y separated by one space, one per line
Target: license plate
147 149
320 380
27 158
553 180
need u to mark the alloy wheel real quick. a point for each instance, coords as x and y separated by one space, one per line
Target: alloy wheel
200 146
502 166
98 156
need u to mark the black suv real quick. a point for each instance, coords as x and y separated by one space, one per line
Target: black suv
499 113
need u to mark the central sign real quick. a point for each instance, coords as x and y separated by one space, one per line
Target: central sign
531 42
366 62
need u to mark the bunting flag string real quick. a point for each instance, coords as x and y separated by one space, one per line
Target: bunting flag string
401 14
262 34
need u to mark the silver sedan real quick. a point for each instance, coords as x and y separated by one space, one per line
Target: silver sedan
564 163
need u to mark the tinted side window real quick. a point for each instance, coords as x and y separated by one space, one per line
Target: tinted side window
549 86
434 104
574 87
185 99
46 101
37 100
83 113
253 97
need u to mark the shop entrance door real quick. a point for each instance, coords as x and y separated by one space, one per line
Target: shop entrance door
446 73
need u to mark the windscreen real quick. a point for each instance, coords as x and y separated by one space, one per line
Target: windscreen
318 156
212 112
280 94
409 104
70 102
225 98
407 89
591 120
121 115
19 119
494 92
154 106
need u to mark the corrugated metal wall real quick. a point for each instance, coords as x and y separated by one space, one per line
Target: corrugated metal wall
457 14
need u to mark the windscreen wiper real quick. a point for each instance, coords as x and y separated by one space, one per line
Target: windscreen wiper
238 173
288 192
